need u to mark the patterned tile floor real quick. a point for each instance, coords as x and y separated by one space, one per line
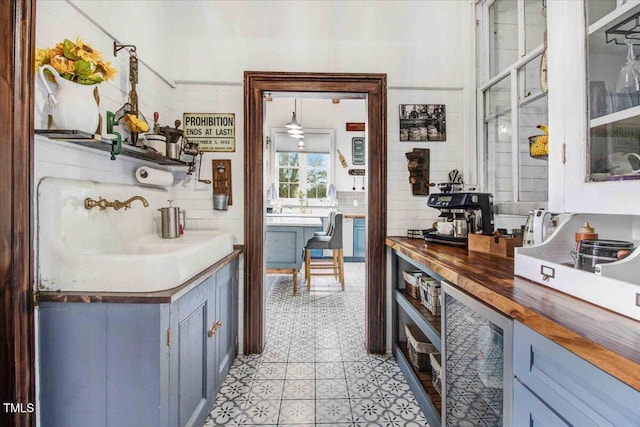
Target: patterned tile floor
314 370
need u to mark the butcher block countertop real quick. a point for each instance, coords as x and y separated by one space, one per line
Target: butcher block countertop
606 339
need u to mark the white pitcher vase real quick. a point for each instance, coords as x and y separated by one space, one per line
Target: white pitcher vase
74 107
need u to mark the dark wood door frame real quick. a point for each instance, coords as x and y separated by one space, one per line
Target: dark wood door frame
375 87
17 366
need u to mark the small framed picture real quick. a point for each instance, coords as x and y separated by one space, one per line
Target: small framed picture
357 150
423 122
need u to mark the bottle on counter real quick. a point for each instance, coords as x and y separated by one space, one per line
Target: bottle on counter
586 232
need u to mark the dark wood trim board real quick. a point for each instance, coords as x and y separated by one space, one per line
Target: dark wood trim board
17 365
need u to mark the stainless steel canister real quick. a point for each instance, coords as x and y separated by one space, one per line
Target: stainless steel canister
170 222
220 201
460 228
173 150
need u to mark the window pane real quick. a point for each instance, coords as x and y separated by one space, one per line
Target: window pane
533 179
598 9
499 156
535 24
529 79
498 99
287 191
317 170
318 159
288 175
288 159
503 19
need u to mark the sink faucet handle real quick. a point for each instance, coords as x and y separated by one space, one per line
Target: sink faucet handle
101 203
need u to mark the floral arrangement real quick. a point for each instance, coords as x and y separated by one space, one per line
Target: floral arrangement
77 62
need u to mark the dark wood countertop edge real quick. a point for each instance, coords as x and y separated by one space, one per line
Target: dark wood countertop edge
160 297
622 363
354 216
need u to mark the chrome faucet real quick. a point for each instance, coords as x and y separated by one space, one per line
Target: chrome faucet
103 204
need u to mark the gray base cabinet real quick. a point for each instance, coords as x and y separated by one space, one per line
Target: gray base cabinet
133 364
554 387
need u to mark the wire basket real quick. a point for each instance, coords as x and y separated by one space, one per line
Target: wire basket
541 156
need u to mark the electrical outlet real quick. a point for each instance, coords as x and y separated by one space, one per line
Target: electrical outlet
355 203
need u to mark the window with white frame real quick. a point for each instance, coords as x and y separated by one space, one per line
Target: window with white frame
303 174
512 98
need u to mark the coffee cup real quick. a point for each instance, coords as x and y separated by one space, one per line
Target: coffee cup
444 228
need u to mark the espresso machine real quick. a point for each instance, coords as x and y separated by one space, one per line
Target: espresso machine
460 214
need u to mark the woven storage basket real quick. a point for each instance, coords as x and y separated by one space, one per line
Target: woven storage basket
430 294
419 348
436 371
411 282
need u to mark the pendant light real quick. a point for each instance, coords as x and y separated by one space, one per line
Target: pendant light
293 124
301 145
293 127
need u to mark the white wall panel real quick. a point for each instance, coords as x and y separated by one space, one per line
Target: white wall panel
415 42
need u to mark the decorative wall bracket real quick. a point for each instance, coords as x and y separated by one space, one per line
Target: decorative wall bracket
221 173
131 107
419 171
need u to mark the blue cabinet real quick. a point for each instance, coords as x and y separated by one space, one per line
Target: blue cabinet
190 317
226 331
359 236
530 411
573 389
138 364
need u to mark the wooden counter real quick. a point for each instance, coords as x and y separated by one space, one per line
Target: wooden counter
607 340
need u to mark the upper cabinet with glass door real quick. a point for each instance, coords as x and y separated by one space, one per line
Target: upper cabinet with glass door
512 102
593 62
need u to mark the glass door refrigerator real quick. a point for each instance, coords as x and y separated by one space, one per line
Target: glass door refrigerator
477 365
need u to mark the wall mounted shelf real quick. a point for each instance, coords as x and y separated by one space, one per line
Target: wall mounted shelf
96 142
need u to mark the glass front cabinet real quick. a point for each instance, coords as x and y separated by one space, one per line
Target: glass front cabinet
594 106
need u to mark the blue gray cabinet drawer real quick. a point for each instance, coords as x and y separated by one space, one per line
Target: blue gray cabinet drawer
573 387
530 411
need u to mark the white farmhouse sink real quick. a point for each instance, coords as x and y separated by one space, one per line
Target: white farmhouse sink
115 251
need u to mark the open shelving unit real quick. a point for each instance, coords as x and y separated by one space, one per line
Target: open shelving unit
409 310
102 144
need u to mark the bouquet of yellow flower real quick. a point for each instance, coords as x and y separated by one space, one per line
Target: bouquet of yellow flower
77 62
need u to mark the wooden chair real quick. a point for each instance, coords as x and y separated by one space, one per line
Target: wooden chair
331 241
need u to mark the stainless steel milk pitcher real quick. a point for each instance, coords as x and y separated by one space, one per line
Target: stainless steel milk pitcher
170 222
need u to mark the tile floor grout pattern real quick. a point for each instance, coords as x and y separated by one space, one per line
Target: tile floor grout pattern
314 370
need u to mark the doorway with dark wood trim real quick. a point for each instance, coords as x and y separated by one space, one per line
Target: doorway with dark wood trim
374 86
17 343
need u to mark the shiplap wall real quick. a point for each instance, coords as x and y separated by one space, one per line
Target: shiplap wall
406 69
